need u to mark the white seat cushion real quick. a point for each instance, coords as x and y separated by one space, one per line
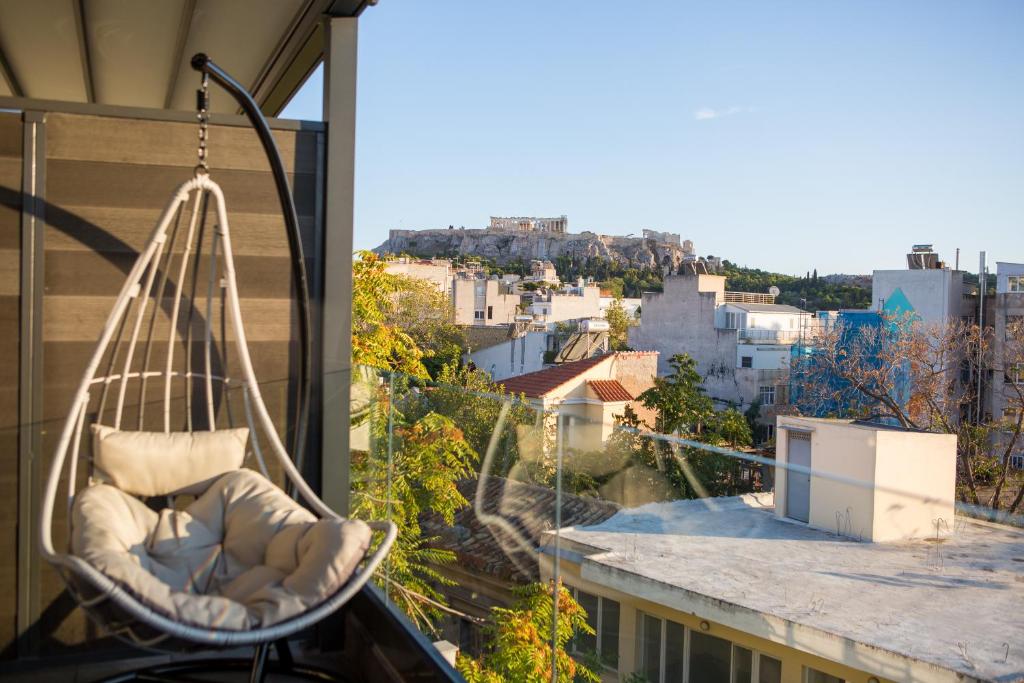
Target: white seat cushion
242 556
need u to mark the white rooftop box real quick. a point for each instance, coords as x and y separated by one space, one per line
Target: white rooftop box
870 482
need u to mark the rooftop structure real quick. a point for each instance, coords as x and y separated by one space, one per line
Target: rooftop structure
909 611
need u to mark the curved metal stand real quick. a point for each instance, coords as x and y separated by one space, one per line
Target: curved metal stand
203 64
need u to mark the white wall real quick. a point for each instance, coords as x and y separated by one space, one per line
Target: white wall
936 294
512 357
764 356
916 478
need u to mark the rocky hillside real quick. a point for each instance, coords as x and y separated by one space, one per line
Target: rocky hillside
504 247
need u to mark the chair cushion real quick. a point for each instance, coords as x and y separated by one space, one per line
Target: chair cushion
243 555
163 464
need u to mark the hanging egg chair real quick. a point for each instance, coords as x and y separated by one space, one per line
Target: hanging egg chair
172 540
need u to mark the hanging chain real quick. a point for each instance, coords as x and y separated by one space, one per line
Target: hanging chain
203 114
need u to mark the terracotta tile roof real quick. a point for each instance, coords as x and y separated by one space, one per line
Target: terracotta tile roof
609 390
542 382
510 552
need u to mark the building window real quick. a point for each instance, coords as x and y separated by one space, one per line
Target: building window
746 361
1017 461
603 617
1015 283
769 432
815 676
1015 374
732 320
766 395
490 312
668 652
478 315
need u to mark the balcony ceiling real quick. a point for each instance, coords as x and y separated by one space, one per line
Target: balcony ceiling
131 53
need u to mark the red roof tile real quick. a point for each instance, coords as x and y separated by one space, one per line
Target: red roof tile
609 390
537 384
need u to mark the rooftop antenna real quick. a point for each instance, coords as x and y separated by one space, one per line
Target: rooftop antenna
957 266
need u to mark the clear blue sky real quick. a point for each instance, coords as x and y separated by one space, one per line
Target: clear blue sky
783 135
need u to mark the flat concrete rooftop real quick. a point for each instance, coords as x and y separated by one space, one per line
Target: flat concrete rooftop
906 611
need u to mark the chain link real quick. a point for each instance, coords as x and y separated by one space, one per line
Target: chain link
203 115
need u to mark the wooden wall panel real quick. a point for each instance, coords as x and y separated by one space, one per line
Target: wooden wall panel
10 278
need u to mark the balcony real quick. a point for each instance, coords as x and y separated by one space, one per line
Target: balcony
761 336
749 298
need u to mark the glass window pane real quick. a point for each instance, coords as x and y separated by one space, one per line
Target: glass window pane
650 648
610 632
585 642
675 644
815 676
769 669
742 664
709 658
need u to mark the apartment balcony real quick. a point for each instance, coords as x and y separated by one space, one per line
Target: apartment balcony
761 336
749 298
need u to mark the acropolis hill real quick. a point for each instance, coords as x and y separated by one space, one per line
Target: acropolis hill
504 246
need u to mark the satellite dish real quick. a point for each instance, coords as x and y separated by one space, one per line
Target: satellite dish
773 290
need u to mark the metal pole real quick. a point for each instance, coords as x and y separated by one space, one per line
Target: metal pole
555 577
203 64
982 284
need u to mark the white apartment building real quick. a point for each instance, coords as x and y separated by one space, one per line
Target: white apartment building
476 301
1007 310
512 356
572 302
741 341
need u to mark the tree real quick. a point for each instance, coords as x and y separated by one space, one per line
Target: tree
679 398
618 325
521 648
411 467
731 427
914 374
376 340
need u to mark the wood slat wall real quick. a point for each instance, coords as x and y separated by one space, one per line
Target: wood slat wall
107 181
10 277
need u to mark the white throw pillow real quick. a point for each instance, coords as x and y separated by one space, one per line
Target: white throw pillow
161 464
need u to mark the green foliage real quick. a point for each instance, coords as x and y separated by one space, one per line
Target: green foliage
679 398
377 341
732 428
618 325
412 467
521 640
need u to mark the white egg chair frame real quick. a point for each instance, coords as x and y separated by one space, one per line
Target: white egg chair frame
102 394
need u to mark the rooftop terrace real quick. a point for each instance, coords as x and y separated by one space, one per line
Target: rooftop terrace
913 610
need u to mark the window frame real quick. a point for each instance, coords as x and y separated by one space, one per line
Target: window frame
1015 284
638 664
598 623
746 361
764 392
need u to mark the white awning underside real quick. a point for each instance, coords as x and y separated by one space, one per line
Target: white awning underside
136 52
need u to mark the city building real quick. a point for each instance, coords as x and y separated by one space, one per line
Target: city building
734 589
666 237
542 271
479 301
559 224
571 302
516 353
740 340
588 394
436 271
935 293
1006 387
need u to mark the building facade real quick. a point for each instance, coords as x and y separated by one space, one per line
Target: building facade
741 341
436 271
476 301
1006 387
572 302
